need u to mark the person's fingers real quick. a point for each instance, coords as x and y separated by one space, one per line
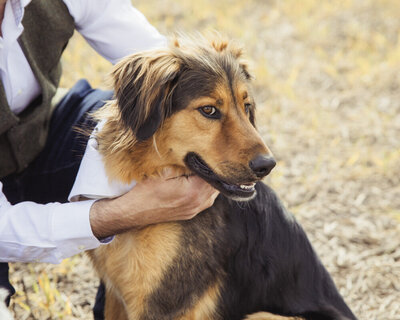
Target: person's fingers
205 193
198 183
209 194
193 181
209 201
203 187
209 190
215 194
169 173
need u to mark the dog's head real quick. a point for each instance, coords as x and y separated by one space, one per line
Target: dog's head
195 99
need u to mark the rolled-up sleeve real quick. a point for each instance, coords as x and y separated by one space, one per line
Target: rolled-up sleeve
44 233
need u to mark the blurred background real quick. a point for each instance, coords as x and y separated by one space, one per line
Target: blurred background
327 80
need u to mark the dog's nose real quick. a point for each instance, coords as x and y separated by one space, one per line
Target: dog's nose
262 165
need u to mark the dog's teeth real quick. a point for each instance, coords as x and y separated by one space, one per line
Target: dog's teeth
247 187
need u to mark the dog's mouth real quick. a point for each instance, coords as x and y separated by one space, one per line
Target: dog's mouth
242 191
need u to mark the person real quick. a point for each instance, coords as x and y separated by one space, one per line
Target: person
40 152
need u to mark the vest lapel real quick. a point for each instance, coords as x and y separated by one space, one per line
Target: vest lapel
7 119
48 26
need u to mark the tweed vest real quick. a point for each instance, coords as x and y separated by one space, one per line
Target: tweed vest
48 26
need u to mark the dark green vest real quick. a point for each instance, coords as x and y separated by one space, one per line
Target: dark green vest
47 28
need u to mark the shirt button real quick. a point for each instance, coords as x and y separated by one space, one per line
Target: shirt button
81 247
19 92
93 143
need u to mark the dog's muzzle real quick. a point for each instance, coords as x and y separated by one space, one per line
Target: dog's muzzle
239 190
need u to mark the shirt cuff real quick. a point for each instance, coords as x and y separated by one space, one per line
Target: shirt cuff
71 229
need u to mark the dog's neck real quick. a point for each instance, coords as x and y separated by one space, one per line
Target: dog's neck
126 159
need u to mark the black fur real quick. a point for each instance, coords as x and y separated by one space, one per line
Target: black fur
262 257
132 100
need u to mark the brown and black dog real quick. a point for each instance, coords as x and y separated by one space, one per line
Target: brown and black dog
190 106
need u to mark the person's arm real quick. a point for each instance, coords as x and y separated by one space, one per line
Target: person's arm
46 233
31 232
114 28
163 199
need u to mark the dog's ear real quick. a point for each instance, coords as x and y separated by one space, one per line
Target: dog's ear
245 70
237 53
144 84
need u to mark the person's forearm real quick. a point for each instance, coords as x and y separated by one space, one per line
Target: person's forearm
107 218
46 233
153 201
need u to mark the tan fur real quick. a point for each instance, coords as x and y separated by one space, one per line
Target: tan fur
206 306
269 316
124 158
114 308
188 128
134 263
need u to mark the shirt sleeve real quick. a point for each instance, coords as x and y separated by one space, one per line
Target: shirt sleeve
91 181
31 232
114 28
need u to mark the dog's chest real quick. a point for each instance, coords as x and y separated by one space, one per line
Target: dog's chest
191 284
168 271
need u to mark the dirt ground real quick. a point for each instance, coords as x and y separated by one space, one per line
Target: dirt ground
328 92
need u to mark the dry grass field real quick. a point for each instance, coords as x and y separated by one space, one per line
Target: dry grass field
328 92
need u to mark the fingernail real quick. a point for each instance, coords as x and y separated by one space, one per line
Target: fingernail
166 171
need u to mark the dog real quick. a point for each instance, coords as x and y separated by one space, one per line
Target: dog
191 107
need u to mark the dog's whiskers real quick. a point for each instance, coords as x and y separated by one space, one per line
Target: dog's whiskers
155 146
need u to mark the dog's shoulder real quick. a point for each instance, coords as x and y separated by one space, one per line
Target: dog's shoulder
263 222
273 264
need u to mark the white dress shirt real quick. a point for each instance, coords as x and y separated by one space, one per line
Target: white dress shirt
91 181
52 232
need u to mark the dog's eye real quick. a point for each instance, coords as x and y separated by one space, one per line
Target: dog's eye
210 112
247 107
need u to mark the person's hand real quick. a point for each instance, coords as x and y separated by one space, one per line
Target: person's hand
155 200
